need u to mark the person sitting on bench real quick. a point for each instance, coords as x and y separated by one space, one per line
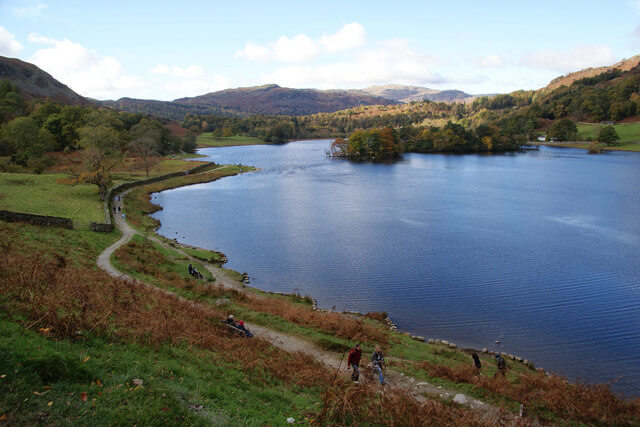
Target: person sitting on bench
231 321
245 330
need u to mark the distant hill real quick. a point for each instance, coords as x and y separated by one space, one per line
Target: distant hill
166 109
403 93
266 99
566 80
273 99
36 83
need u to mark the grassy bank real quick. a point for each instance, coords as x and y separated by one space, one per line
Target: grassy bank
69 329
74 344
629 136
44 195
207 140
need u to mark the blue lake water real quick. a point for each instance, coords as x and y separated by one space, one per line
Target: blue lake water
538 250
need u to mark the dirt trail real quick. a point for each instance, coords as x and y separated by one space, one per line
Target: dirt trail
277 338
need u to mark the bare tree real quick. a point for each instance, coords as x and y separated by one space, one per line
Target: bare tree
144 148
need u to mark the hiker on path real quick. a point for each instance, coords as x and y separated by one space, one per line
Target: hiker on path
476 361
377 360
354 361
502 365
123 215
190 269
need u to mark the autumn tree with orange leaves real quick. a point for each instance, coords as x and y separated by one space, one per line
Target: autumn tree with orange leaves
374 144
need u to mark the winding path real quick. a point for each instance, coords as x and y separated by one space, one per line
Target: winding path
284 341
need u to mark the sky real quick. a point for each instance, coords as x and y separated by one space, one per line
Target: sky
147 49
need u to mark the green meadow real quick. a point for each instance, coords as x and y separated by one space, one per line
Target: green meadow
44 195
207 140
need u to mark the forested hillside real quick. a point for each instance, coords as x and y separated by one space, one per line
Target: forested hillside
501 122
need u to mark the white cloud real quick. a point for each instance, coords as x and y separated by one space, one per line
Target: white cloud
9 46
179 82
30 9
489 61
195 87
350 36
254 52
84 70
302 48
297 49
582 56
190 72
391 61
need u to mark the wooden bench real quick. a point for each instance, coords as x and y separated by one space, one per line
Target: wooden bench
234 330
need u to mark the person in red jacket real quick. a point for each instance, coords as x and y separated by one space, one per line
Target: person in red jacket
354 361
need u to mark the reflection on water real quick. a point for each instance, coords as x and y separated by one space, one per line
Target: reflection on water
537 250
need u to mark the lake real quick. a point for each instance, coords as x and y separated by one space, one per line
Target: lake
538 250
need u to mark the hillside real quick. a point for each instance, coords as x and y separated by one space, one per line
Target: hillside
566 80
403 93
166 109
273 99
36 83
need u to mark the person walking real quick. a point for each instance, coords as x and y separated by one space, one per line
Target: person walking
476 362
377 360
353 361
501 364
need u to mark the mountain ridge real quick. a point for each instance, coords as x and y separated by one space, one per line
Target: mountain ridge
408 93
34 82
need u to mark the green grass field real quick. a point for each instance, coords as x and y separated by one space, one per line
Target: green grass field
629 132
206 140
44 380
42 195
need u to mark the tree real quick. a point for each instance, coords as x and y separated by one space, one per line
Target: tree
25 143
563 130
608 135
101 153
11 103
143 148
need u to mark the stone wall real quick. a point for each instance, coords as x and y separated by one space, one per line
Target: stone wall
108 225
44 220
101 228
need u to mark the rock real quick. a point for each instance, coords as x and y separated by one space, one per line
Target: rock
518 359
419 338
485 351
497 341
438 342
511 356
452 345
431 341
460 399
222 301
291 420
445 342
406 334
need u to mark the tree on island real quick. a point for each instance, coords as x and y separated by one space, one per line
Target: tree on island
608 135
374 144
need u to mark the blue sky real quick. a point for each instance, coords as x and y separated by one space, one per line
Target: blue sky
145 49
